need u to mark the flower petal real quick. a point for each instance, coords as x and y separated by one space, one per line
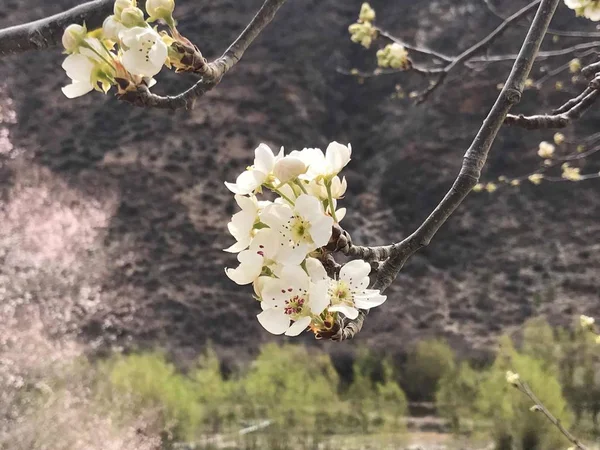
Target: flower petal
319 296
274 320
315 270
298 326
370 301
337 156
264 159
77 89
348 311
356 271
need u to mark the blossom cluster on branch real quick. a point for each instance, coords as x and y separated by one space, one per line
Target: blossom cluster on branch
586 8
127 51
282 243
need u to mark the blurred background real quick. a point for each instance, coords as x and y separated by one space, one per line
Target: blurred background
120 330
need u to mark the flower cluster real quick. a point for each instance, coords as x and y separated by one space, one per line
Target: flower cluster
126 52
585 8
363 32
394 56
280 242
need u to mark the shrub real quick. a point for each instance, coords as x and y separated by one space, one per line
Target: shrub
513 424
427 364
455 396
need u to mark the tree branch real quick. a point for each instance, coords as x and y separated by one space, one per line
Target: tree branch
478 47
213 72
46 33
545 121
539 406
473 162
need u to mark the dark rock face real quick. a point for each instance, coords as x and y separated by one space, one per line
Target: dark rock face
144 189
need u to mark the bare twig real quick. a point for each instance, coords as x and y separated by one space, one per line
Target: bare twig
214 71
539 406
562 33
479 47
413 47
541 55
473 162
545 121
46 33
572 102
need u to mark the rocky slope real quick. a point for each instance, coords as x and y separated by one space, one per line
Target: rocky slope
113 218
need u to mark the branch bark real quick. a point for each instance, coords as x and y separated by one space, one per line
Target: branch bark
214 71
46 33
473 162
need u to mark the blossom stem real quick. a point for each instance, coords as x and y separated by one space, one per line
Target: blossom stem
282 195
330 197
88 46
301 186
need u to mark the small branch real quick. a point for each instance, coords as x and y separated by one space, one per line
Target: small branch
541 55
591 70
473 161
562 33
46 33
415 48
545 121
214 71
524 387
479 47
572 102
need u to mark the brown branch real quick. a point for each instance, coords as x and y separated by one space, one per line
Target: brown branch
541 55
478 47
473 162
591 70
214 71
46 33
578 34
545 121
539 406
572 102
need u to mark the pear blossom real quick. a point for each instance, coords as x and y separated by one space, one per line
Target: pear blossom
290 301
325 166
262 253
111 28
338 188
585 8
253 178
79 70
73 36
288 168
242 223
513 378
121 5
301 228
145 52
349 293
586 322
546 150
160 9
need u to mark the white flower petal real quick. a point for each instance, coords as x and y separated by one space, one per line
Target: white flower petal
298 326
78 67
288 168
274 320
348 311
319 296
264 159
340 214
315 270
308 206
321 231
337 156
77 89
249 269
355 271
368 302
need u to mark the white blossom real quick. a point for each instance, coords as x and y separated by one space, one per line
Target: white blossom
252 179
290 301
160 9
145 52
262 253
73 36
79 69
324 166
242 223
301 228
111 28
585 8
349 293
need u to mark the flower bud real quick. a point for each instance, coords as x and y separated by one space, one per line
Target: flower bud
160 9
559 138
288 168
73 37
133 17
367 14
512 378
111 28
121 5
535 178
546 150
587 323
394 56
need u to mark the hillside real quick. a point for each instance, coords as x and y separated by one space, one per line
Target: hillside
113 218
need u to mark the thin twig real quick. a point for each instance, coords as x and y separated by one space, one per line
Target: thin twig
524 387
545 121
214 71
478 47
46 33
473 162
572 102
414 47
541 55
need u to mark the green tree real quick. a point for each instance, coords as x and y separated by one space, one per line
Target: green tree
454 397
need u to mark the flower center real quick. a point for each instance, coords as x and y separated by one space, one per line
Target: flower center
340 293
293 306
300 230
